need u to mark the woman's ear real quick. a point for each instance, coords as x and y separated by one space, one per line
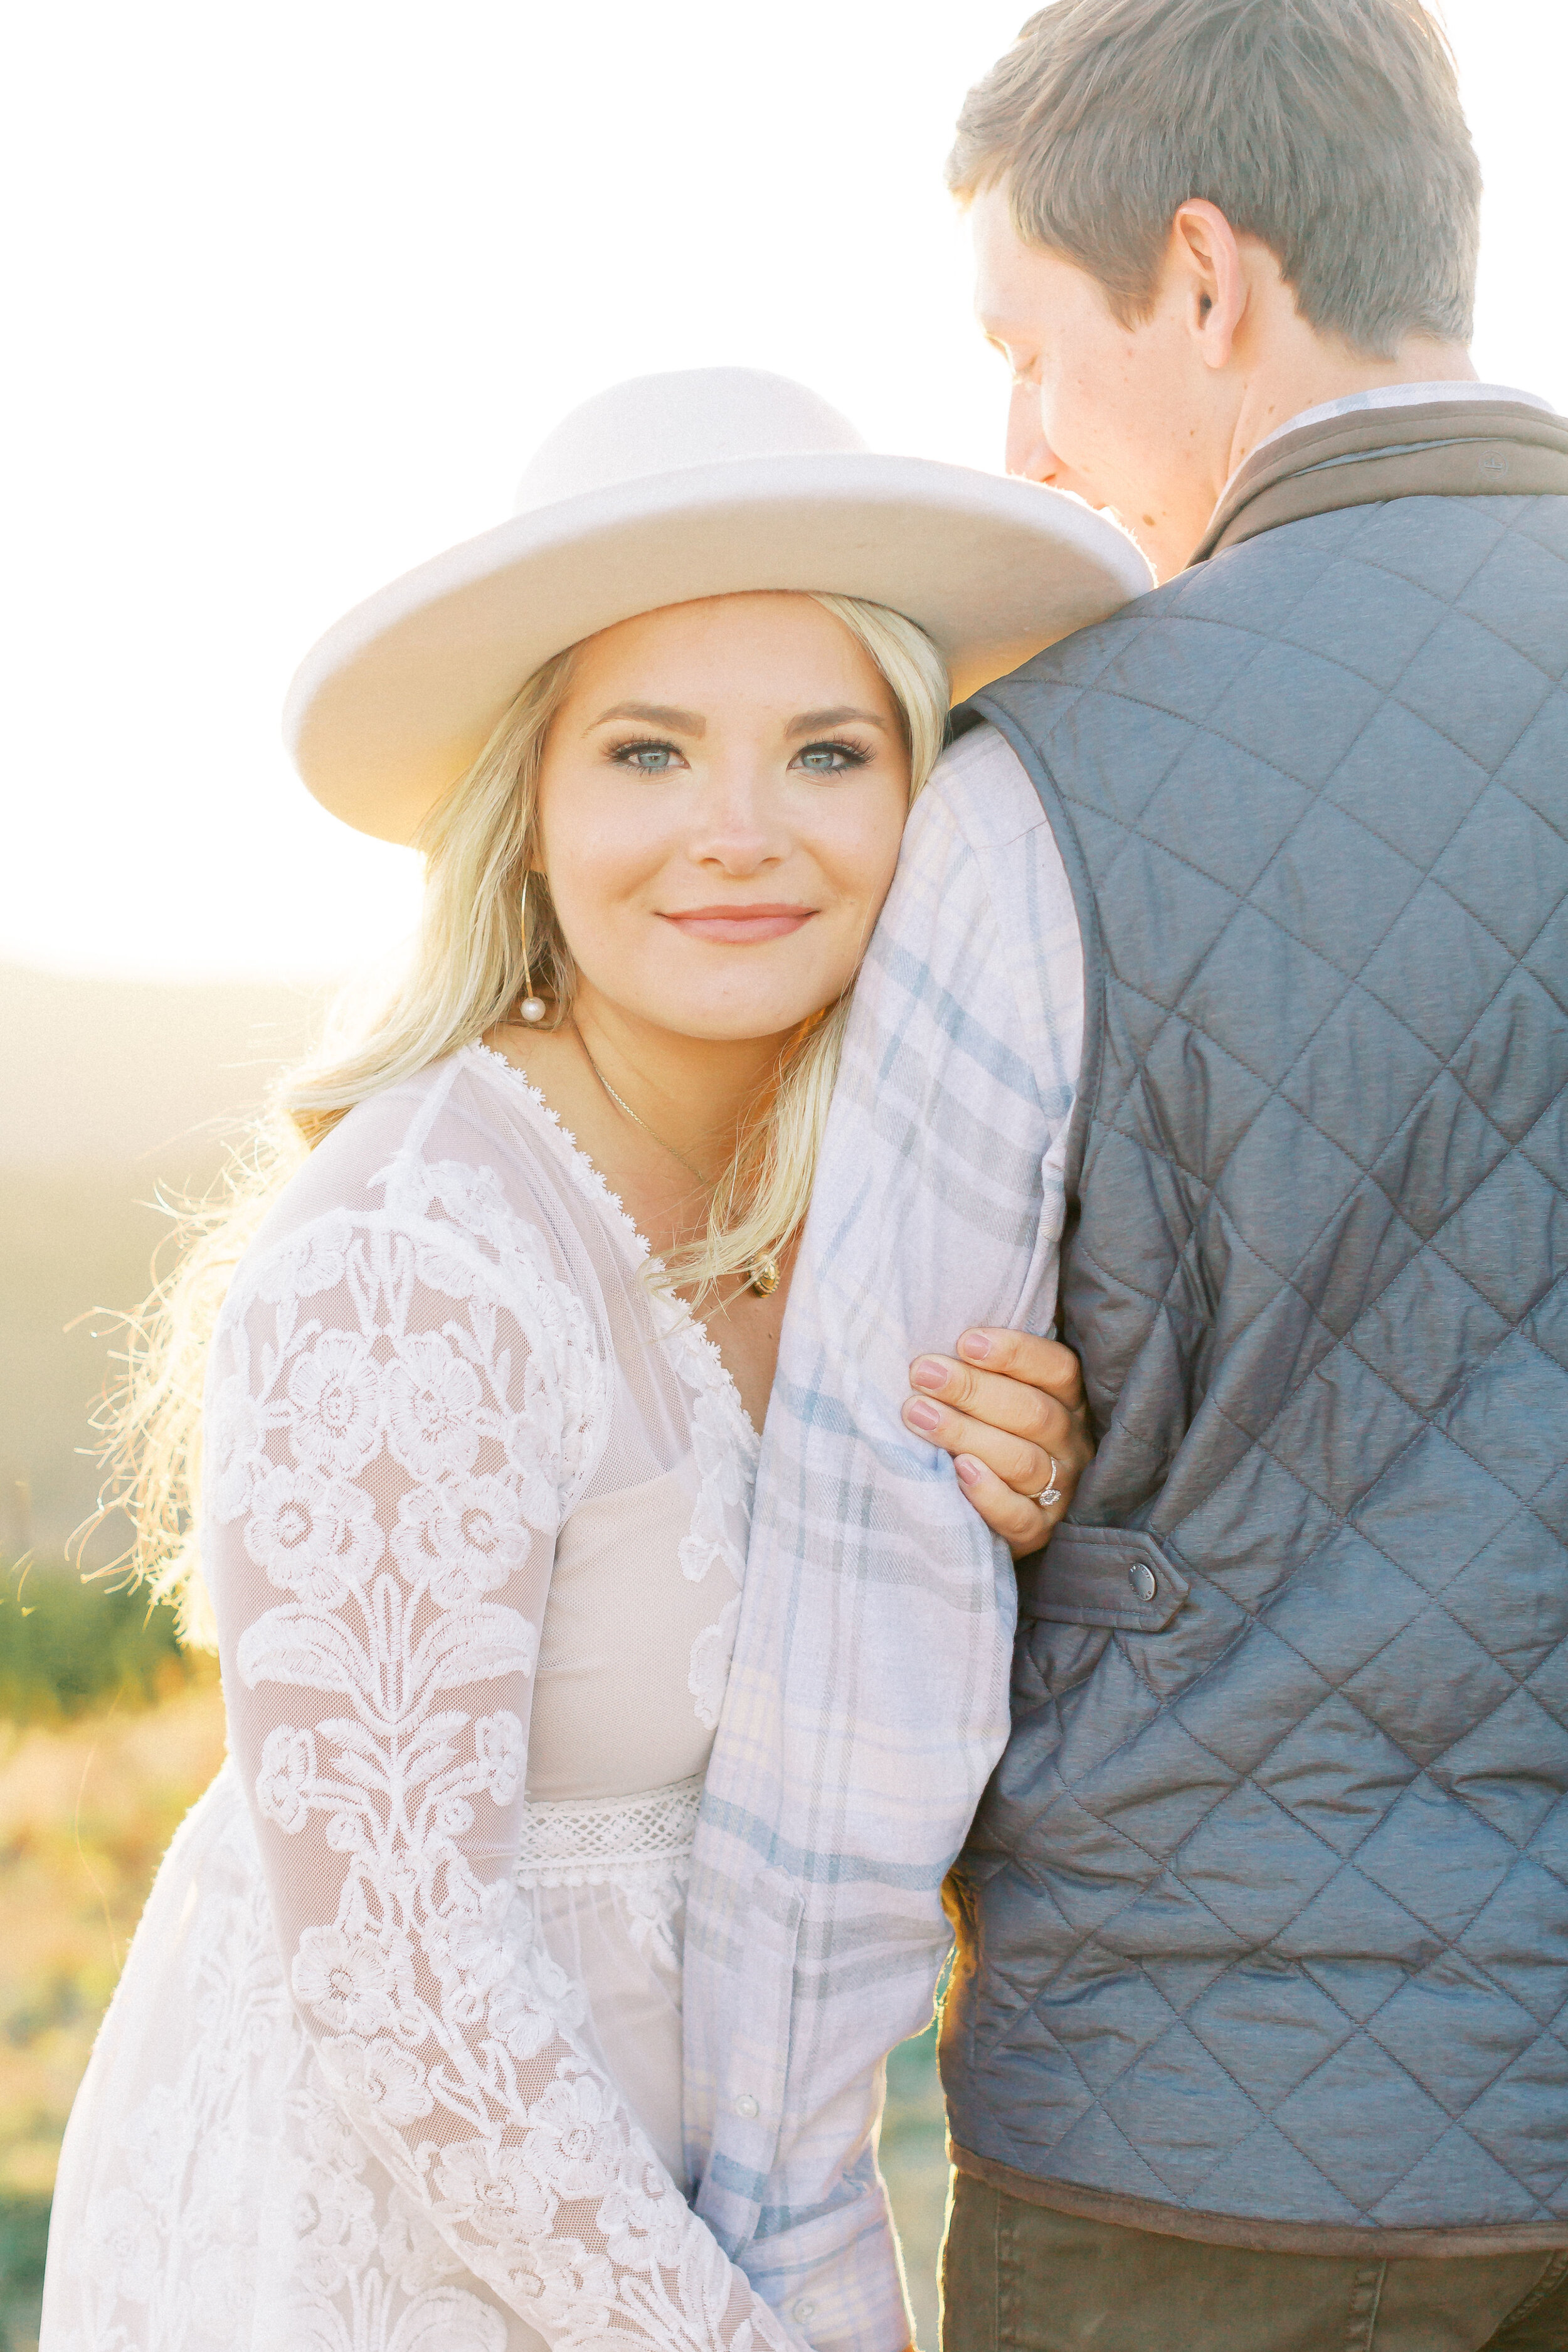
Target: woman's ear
1204 252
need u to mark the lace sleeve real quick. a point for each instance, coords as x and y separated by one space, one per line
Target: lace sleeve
397 1420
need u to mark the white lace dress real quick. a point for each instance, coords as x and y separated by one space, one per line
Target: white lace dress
395 2061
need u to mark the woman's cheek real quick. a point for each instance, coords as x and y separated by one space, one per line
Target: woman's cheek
859 903
867 858
598 870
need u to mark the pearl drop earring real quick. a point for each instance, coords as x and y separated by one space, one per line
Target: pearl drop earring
532 1008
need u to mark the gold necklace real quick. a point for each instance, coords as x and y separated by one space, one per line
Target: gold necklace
763 1268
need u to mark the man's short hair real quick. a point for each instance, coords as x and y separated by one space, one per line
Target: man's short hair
1330 129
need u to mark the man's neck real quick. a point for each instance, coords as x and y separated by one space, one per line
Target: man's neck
1317 371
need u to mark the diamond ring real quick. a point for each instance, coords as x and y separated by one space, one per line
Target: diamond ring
1051 1493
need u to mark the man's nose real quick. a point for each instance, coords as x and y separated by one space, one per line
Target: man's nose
1030 454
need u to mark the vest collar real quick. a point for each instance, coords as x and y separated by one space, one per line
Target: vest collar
1444 447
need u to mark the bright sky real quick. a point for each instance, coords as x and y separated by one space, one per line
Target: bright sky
300 285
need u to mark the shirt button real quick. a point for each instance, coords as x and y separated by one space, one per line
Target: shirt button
1143 1579
803 2310
746 2105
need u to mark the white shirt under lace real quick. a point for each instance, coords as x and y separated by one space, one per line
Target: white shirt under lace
395 2066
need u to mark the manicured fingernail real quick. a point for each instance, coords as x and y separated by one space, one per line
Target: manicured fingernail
967 1469
975 1344
921 1416
927 1373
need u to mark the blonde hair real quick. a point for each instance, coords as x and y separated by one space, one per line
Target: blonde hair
472 960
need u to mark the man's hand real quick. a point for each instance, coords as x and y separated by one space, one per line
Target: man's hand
1006 1407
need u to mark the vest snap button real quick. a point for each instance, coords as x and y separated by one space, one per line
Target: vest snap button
1143 1579
745 2106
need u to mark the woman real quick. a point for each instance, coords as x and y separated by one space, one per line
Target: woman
395 2061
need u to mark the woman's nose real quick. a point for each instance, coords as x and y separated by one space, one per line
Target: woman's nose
1030 454
739 830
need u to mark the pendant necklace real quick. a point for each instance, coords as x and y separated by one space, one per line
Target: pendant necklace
763 1269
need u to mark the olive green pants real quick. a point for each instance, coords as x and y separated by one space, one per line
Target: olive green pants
1017 2277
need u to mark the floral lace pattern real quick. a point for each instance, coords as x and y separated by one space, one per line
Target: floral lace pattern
406 1399
243 2153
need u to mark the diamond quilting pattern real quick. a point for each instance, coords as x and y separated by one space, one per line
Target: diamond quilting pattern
1362 2119
1202 837
1549 1505
1351 623
1512 1769
1438 968
1535 765
1519 594
1447 1147
1425 1329
1508 866
1433 1512
1445 683
1281 1916
1254 1865
1530 1965
1523 1442
1344 1603
1153 2104
1513 2121
1374 885
1515 1059
1337 1774
1272 2024
1430 1675
1514 1596
1398 743
1457 2169
1364 1077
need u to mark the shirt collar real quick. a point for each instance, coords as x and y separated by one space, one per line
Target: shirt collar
1395 396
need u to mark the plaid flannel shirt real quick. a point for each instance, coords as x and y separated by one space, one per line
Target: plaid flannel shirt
868 1697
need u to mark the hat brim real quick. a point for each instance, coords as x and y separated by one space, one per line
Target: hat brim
398 699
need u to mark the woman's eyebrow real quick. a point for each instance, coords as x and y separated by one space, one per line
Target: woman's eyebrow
811 722
657 714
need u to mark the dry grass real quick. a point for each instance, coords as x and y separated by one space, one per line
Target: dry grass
86 1811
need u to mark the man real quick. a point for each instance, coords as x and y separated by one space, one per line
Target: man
1227 970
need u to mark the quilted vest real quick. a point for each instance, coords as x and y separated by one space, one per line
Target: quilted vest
1263 1925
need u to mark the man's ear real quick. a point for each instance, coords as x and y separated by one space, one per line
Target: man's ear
1205 261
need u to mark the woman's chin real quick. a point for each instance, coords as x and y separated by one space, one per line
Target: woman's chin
752 1024
723 1009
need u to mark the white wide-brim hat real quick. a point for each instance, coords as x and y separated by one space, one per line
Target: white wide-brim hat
710 482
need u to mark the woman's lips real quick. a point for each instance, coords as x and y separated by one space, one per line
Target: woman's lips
739 925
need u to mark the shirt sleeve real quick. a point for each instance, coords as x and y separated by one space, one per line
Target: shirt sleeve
869 1695
397 1420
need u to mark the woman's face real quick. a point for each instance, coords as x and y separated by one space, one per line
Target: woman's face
720 805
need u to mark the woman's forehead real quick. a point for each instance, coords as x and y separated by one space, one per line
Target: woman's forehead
774 650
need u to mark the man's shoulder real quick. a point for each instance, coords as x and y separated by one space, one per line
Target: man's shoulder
1086 658
980 792
1347 588
1370 562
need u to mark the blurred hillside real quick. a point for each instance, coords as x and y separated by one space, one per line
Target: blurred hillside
110 1091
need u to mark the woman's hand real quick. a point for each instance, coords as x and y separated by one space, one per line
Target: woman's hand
1009 1409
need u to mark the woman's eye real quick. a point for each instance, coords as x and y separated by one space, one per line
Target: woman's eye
648 759
830 758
